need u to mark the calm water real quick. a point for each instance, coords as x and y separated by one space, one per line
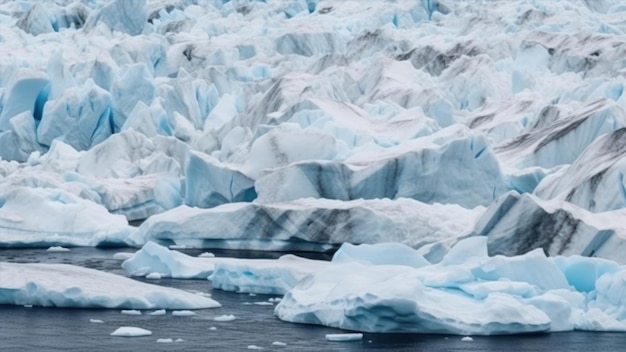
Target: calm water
47 329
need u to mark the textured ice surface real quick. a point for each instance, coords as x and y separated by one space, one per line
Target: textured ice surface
141 106
60 285
483 295
516 224
49 216
307 224
231 274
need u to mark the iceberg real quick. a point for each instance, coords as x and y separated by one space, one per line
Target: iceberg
230 274
483 295
386 288
426 169
311 224
68 221
595 180
68 286
388 132
518 223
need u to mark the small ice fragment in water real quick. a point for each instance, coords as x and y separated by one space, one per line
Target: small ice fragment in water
28 306
154 276
179 340
131 331
344 337
263 303
131 312
165 341
254 347
225 317
122 255
177 246
275 299
467 338
98 321
278 343
212 328
252 294
183 313
158 312
58 249
207 255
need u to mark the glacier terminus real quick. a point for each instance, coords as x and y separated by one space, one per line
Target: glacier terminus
461 161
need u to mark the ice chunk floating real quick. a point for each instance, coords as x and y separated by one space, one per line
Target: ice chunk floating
60 285
468 293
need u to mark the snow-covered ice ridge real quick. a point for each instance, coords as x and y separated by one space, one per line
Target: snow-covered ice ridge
303 124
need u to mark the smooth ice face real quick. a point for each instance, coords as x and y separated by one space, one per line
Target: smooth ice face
480 296
68 286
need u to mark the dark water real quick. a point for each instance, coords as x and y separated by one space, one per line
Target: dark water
53 329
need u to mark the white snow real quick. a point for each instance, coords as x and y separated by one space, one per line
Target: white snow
183 313
122 255
344 337
131 312
154 276
58 249
61 285
131 331
224 318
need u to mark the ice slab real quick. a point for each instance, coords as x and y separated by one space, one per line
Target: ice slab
68 286
54 217
516 224
483 295
311 224
131 331
231 274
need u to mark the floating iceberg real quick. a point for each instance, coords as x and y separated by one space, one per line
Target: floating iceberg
467 294
53 217
60 285
230 274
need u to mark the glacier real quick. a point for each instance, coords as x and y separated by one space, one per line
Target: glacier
311 125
